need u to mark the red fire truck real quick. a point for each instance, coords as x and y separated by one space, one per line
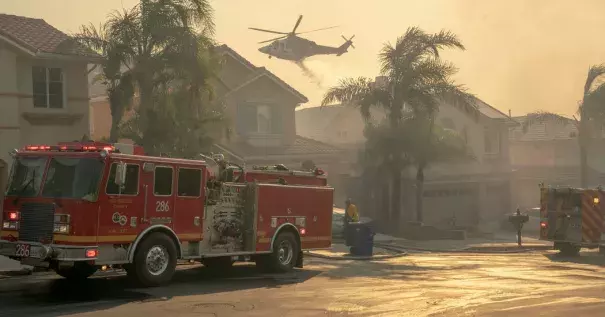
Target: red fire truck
573 218
77 207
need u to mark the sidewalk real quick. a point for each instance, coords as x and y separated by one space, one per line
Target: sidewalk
501 242
10 267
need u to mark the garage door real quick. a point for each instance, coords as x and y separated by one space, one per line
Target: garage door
445 207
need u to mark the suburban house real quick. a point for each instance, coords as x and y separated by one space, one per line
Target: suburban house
43 86
472 193
465 193
261 109
548 152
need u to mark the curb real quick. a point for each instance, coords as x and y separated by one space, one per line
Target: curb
399 253
479 250
21 272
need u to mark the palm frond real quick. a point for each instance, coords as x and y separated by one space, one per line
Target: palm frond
348 90
594 72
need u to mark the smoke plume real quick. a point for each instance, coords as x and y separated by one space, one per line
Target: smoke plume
309 73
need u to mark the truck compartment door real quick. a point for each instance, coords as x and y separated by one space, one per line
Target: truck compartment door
565 216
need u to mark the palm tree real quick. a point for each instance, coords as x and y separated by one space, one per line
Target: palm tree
591 112
166 41
119 85
416 81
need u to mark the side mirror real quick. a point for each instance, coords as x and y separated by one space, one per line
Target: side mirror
120 178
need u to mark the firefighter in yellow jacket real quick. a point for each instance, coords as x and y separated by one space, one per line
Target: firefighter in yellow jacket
351 214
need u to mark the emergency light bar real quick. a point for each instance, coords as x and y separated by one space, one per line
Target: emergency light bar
89 147
70 148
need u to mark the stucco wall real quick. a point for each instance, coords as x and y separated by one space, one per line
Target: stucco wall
16 102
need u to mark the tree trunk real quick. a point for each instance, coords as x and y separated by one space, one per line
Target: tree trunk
583 165
114 132
396 201
583 141
384 204
419 192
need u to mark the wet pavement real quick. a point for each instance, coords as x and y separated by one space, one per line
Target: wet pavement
421 284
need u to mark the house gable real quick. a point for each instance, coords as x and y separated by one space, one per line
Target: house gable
256 73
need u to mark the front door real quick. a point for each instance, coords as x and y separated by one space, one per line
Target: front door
159 191
189 203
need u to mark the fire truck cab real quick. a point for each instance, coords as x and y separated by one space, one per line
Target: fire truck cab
573 218
77 207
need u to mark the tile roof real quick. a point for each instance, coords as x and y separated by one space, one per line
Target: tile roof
226 49
543 131
489 111
37 36
300 146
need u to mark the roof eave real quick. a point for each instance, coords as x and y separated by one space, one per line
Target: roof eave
83 58
15 44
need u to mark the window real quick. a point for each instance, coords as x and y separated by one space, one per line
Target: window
259 118
73 178
47 87
263 119
162 181
26 176
190 181
492 141
130 187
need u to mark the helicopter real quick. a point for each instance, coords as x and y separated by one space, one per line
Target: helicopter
290 46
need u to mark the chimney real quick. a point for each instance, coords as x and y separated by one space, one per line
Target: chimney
510 114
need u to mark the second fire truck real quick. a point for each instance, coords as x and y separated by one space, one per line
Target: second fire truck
573 218
76 207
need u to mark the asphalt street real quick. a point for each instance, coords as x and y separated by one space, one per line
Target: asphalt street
422 284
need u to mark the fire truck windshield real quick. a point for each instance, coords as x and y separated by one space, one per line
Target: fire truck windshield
73 178
26 176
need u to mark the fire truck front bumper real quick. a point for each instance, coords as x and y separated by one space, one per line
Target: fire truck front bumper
47 252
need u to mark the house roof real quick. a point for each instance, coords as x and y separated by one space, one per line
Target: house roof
312 122
224 49
543 131
489 111
37 36
300 146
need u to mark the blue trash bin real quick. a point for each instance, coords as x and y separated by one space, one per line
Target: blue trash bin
361 239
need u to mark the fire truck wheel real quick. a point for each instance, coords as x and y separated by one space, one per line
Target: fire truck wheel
80 271
155 260
285 252
568 249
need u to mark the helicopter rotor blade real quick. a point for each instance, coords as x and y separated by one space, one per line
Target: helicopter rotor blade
273 39
268 31
350 40
297 24
330 27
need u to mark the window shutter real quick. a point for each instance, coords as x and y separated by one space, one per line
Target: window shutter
277 119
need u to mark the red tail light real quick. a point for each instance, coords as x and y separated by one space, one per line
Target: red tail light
13 216
543 225
92 253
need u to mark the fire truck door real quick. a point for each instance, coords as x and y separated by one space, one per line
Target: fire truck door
189 204
565 216
159 191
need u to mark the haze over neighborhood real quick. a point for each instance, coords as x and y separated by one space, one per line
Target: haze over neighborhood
521 55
